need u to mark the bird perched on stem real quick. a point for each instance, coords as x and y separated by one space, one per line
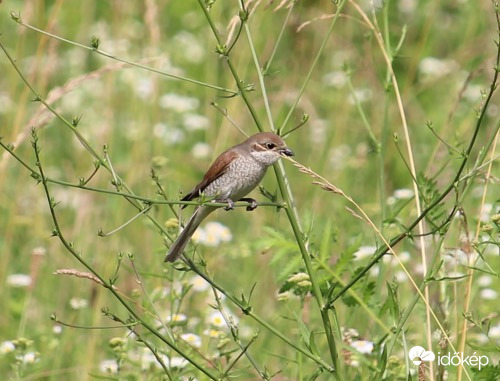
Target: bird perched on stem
234 174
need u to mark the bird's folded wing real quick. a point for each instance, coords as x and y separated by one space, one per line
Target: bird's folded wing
216 170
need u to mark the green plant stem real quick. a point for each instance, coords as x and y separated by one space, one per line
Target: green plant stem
247 310
312 274
383 249
280 173
241 87
130 63
313 65
147 200
236 339
106 284
355 296
259 72
409 308
129 197
280 37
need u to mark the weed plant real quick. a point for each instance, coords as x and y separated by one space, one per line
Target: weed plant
380 236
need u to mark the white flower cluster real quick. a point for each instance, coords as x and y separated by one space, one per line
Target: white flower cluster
212 234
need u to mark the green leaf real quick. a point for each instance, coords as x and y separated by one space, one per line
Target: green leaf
487 373
484 348
382 362
304 332
346 257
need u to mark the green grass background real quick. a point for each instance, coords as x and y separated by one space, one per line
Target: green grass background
121 107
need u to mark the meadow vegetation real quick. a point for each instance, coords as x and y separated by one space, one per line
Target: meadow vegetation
381 235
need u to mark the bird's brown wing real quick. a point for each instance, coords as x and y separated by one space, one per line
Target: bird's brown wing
216 170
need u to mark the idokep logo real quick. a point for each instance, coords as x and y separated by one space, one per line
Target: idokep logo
418 354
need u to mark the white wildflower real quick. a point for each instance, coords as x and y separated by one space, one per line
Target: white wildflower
213 333
177 362
318 130
363 346
147 358
407 6
454 256
194 122
178 102
485 212
109 366
216 319
403 194
400 276
494 332
144 87
78 303
336 79
199 236
213 234
160 130
220 231
7 347
192 339
28 358
193 51
338 156
360 96
39 251
364 251
19 280
488 294
201 150
176 318
472 93
485 280
199 284
419 269
432 67
5 102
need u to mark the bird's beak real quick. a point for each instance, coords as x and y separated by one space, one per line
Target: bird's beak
287 152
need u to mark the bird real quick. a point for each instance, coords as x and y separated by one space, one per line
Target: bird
234 174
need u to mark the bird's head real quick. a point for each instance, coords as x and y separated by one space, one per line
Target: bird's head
267 148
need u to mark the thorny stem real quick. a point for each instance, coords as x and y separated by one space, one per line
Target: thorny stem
134 64
384 249
247 310
234 333
378 36
313 65
130 196
146 200
281 176
106 284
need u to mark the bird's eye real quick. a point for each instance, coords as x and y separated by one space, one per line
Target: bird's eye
270 145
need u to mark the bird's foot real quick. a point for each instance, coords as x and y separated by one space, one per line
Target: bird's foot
230 204
253 203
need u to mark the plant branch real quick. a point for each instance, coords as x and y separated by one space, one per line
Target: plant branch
18 19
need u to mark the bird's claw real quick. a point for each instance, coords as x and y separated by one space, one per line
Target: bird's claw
230 204
253 203
252 206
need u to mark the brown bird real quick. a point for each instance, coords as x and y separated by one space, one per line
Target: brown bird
234 174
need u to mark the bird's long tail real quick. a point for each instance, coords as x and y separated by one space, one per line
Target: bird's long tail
175 251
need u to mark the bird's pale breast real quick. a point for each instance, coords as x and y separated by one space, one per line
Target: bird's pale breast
243 175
